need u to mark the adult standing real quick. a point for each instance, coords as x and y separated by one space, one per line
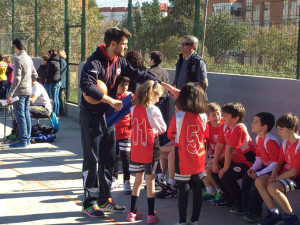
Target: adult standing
98 140
190 67
42 71
63 74
156 59
9 72
53 73
3 77
21 87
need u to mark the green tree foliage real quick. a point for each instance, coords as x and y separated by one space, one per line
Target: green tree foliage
223 34
51 25
273 46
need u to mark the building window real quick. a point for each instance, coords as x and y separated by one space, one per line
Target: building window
256 14
266 14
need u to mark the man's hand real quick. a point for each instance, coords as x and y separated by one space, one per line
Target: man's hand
9 100
117 104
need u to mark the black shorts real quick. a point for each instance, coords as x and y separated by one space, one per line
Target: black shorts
148 168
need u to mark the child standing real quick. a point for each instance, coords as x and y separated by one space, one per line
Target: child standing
123 135
147 124
285 176
239 155
188 128
215 125
267 151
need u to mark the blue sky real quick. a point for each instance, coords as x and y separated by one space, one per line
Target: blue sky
121 3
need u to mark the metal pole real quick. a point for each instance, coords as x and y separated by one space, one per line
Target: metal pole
36 28
204 29
83 32
67 45
129 21
197 18
298 50
12 25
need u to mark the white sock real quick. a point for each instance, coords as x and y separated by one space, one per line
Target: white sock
219 190
210 190
172 182
161 176
275 211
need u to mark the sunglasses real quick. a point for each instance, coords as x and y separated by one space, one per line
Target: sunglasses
186 43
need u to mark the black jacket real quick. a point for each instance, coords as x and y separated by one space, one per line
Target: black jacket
162 75
42 73
53 69
100 67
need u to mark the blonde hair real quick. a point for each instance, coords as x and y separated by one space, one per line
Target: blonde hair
146 91
7 59
62 54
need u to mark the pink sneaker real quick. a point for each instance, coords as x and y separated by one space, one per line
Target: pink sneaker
152 219
131 217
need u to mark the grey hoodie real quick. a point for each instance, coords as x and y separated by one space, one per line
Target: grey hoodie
24 73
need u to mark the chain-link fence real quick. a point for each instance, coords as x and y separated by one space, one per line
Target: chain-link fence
243 37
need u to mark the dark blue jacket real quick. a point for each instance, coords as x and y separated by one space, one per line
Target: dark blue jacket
53 69
100 67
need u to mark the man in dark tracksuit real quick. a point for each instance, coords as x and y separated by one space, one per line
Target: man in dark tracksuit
98 141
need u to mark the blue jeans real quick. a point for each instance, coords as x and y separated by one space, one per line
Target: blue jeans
54 95
22 115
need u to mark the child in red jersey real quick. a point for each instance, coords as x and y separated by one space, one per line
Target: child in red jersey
215 125
188 128
285 176
239 155
123 135
147 123
267 151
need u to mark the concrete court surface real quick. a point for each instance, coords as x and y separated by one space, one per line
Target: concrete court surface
42 184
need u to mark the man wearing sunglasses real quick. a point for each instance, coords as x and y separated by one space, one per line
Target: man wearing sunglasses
190 67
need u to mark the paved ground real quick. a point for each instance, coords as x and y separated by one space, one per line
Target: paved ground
42 184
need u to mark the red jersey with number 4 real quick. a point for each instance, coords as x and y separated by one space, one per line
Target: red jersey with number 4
146 124
214 133
267 148
239 138
189 131
290 156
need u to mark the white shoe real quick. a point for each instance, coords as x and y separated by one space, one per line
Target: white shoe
127 188
114 184
192 223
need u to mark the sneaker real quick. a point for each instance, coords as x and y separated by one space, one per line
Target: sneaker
114 184
272 218
127 188
152 219
180 224
18 145
238 210
111 206
11 137
192 223
225 202
168 192
252 218
93 211
131 217
291 220
159 184
207 197
218 198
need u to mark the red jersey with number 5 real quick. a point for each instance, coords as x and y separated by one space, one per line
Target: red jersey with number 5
189 131
146 124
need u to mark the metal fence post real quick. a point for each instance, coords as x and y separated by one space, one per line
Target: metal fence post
12 25
67 45
83 32
35 28
197 18
129 21
298 50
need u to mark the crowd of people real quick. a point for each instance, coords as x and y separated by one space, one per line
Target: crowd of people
201 147
32 89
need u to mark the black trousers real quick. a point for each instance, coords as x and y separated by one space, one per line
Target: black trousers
125 158
252 200
184 188
229 183
98 144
